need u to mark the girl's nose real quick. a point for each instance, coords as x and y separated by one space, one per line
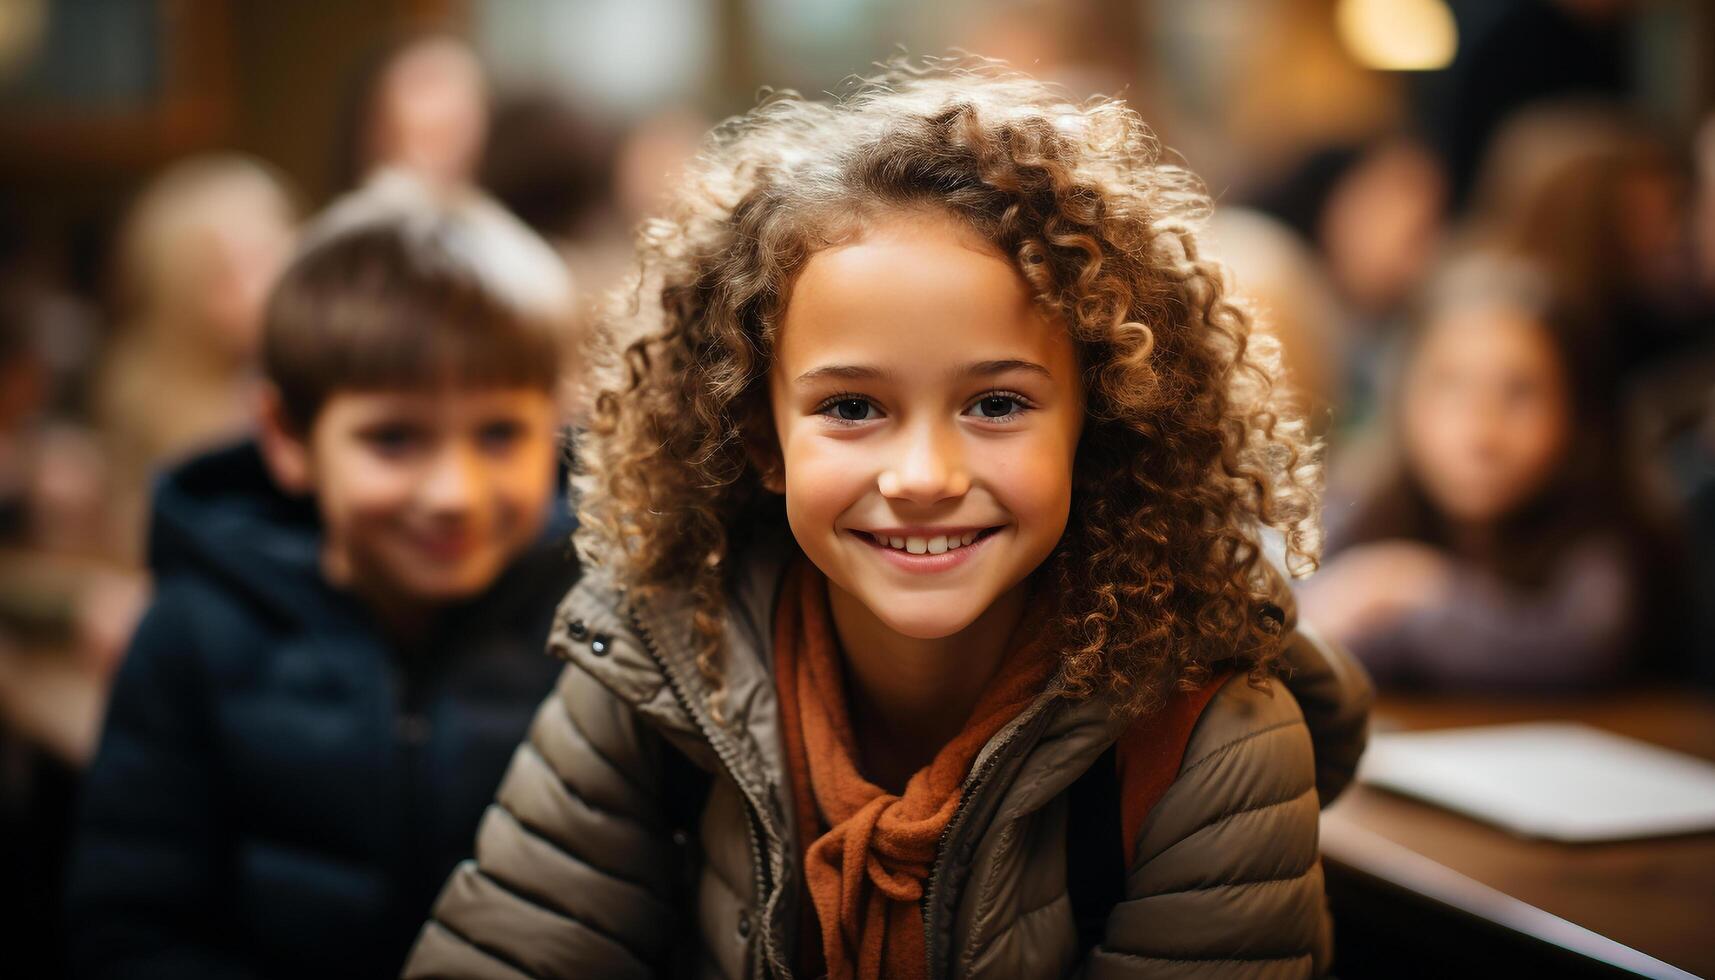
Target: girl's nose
930 469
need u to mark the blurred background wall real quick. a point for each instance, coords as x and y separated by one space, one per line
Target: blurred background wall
95 94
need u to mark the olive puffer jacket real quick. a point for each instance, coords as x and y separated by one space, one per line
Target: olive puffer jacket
580 873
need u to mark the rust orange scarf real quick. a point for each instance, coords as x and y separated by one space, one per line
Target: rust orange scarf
869 851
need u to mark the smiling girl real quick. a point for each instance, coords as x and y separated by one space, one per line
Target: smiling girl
929 632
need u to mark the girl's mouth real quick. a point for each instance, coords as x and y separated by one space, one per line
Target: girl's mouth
928 553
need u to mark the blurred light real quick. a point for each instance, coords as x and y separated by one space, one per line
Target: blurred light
629 56
1398 35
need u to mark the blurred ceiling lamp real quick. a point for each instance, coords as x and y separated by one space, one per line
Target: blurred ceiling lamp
1398 35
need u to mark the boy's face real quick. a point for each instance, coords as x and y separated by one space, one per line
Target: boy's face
927 416
425 496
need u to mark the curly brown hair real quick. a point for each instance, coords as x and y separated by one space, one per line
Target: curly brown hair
1190 446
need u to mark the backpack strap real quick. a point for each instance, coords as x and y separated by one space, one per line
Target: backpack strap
684 791
1108 804
1095 872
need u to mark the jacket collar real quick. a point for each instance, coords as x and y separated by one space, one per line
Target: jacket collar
644 652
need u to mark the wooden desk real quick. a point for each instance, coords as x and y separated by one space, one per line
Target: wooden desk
1573 906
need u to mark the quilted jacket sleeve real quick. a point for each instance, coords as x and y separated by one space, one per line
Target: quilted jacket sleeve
1226 881
575 871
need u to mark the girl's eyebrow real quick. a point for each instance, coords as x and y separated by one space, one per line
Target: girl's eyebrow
864 372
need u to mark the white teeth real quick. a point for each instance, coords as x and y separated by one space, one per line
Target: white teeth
937 545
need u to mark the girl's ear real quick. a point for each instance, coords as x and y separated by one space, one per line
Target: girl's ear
764 453
762 445
767 462
285 449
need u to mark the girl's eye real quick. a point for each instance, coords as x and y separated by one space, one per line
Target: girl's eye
999 406
849 408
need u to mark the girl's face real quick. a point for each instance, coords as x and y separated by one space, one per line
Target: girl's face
927 416
1487 413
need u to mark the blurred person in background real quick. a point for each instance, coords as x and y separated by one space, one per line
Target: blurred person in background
1703 198
418 104
1519 53
586 185
1293 300
1505 547
652 161
345 644
25 384
551 165
1374 214
59 590
65 610
1601 203
38 758
1676 418
1685 450
200 250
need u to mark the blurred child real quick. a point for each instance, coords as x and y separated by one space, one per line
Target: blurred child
346 640
418 105
1375 215
1598 200
24 393
1703 206
931 631
199 252
1502 549
60 596
1295 304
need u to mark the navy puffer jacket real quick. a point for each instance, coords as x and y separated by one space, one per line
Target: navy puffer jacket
279 792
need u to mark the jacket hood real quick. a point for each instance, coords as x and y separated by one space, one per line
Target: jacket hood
221 515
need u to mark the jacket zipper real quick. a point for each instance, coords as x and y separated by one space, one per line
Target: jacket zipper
411 732
761 863
932 894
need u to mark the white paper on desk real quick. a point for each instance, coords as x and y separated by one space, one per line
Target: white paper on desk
1556 780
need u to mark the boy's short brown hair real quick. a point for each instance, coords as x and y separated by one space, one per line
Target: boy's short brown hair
398 287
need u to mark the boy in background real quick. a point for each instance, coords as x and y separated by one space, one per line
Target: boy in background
346 641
